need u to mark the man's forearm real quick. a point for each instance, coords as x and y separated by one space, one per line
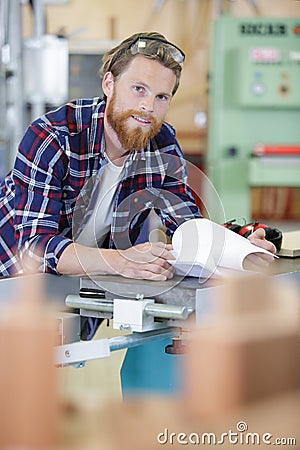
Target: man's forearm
78 259
143 261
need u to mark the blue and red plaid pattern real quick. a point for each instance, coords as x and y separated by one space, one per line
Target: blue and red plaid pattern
59 153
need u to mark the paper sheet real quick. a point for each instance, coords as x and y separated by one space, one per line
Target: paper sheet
204 248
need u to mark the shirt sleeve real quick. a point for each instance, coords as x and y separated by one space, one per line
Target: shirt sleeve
40 168
178 203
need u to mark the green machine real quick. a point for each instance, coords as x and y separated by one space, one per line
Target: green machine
254 110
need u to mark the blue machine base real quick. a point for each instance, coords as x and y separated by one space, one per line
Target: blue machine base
148 369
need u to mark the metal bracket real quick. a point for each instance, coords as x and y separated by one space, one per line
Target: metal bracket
76 353
81 351
131 315
134 315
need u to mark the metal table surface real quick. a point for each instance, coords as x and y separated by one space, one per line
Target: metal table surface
285 265
178 291
54 288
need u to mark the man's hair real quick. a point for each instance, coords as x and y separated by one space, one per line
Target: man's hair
118 58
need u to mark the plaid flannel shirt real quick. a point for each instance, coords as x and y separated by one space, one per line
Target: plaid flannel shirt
47 197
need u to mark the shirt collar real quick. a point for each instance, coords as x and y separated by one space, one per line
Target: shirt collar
96 137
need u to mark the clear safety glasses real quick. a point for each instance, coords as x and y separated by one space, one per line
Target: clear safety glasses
150 46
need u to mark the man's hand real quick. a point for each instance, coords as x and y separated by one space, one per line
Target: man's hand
144 261
257 261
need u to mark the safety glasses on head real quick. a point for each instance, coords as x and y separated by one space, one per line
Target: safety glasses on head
151 46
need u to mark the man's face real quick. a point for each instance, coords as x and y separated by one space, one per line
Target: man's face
138 102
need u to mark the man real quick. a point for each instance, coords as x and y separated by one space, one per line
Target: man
54 219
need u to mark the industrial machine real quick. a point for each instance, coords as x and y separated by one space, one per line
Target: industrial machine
157 313
160 314
254 110
149 311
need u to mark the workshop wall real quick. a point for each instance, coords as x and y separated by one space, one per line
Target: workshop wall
97 23
186 22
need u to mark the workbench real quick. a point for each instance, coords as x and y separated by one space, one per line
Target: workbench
148 367
171 303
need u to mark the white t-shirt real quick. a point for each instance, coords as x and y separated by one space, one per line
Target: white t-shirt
99 223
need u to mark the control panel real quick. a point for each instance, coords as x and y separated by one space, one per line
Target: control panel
254 100
268 76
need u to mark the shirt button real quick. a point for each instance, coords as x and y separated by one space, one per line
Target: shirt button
135 200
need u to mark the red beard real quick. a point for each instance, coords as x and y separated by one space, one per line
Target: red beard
131 139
